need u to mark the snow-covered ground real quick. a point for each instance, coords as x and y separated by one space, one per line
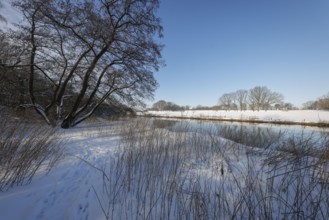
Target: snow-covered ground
298 116
66 191
154 173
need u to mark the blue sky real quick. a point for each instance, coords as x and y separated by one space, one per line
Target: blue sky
214 47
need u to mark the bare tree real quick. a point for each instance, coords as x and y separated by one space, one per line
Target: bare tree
102 49
272 98
160 105
311 105
227 101
241 96
256 97
261 98
167 106
288 106
323 102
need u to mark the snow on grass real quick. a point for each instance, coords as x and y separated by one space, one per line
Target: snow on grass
298 116
137 170
65 192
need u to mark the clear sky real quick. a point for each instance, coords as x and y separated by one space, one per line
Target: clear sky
214 47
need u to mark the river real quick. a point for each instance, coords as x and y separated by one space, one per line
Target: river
252 134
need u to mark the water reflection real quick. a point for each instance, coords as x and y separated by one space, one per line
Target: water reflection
255 135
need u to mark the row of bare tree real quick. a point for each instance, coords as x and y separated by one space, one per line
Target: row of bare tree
80 54
321 103
257 98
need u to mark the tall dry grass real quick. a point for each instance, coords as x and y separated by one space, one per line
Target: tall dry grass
25 148
193 173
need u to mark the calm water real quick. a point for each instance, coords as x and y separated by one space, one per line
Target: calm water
255 135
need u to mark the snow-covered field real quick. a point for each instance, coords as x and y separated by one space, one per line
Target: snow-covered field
66 191
298 116
139 170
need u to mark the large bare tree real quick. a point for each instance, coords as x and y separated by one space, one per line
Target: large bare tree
90 51
261 98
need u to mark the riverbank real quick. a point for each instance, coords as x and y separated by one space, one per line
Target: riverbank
134 169
294 117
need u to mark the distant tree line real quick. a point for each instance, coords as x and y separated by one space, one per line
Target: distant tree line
257 98
168 106
321 103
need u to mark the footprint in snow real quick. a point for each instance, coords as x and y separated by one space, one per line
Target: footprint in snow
87 194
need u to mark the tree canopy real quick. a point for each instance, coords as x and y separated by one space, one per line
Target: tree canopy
89 52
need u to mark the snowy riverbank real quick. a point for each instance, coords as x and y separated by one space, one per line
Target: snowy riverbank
132 169
310 117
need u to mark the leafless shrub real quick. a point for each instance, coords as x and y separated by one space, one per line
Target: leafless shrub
25 149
